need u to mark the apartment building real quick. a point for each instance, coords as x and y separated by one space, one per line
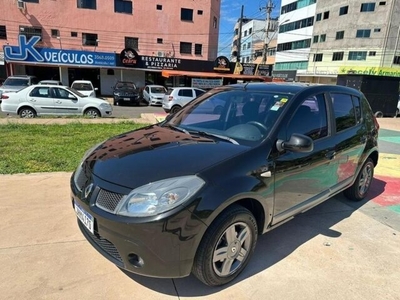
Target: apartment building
107 40
354 37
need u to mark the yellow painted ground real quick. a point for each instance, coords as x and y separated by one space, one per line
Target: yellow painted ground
388 165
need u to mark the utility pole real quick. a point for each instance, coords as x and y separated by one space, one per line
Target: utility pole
240 35
268 8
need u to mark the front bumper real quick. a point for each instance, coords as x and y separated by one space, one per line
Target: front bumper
161 246
127 99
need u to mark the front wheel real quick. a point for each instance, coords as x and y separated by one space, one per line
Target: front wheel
226 247
92 113
360 187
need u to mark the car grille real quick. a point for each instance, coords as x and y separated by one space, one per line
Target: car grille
108 201
102 243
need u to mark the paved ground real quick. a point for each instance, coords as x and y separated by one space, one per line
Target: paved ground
338 250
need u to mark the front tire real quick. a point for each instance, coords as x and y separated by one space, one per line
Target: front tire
27 113
226 247
92 113
360 187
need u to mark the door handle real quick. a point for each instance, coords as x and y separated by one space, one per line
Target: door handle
58 102
330 154
33 100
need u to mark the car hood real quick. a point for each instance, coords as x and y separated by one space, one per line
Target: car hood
94 100
86 93
158 95
131 91
153 153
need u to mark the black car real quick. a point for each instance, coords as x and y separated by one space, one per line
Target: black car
126 92
193 193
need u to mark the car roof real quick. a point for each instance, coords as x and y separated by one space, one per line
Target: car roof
81 81
154 85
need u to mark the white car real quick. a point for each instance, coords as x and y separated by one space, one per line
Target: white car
85 87
40 100
177 97
154 94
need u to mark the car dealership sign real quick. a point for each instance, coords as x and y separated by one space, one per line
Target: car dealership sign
26 51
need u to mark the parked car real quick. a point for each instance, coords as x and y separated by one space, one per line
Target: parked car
51 82
40 100
16 83
194 192
85 87
175 98
126 92
154 94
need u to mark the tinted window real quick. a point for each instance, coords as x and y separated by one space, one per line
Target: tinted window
61 93
357 108
16 82
310 118
40 92
185 93
344 111
199 93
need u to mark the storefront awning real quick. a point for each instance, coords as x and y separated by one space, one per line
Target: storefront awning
168 73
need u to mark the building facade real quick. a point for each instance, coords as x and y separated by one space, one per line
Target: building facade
104 40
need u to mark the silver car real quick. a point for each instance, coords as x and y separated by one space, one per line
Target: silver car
177 97
40 100
16 83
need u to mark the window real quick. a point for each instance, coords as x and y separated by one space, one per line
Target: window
244 47
357 108
30 31
185 93
337 56
185 48
41 92
396 60
372 53
186 14
382 3
198 48
132 42
296 25
55 33
315 39
215 22
74 34
89 39
363 33
123 6
198 92
318 57
159 41
344 111
62 94
343 10
296 5
326 15
3 32
159 7
339 35
294 45
248 45
32 1
318 17
200 12
245 33
90 4
250 30
310 119
367 7
377 30
357 55
323 38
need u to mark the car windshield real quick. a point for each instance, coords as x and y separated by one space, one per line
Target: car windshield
16 82
237 116
76 92
158 90
81 86
125 85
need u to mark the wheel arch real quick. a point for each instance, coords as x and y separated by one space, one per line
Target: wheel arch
26 106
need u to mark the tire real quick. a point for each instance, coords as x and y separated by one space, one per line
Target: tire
379 114
27 112
92 113
175 109
360 187
238 221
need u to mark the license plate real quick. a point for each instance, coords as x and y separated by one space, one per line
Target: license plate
127 99
86 218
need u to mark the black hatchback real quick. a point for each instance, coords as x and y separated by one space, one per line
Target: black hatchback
192 194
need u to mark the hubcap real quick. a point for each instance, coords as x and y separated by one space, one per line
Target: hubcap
232 249
27 114
92 114
365 179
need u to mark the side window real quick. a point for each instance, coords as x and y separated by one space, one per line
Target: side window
344 111
310 118
198 93
185 93
357 108
61 93
42 92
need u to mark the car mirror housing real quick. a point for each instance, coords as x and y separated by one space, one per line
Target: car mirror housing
296 143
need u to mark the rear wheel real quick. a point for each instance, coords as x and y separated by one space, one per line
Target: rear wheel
92 113
360 187
226 247
175 109
27 112
379 114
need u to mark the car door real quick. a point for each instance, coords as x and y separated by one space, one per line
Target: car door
304 179
41 100
65 102
146 94
185 95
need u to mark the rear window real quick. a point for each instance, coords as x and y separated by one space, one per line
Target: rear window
169 91
82 86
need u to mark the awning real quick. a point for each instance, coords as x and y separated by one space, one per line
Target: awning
168 73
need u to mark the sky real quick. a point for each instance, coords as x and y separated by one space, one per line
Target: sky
230 13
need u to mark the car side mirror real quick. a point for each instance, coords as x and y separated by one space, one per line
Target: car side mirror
96 89
72 97
296 143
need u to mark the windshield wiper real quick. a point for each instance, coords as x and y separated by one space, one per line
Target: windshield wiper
222 137
177 128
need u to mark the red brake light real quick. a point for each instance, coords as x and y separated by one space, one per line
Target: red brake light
4 97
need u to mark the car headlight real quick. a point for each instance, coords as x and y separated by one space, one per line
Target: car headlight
105 105
158 197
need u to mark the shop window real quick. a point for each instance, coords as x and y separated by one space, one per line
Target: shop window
123 6
198 48
132 42
3 32
185 48
186 14
89 39
88 4
55 33
30 31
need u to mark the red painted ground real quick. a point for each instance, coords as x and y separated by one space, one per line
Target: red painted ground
385 190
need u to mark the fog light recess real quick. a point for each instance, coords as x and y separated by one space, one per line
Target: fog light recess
135 260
